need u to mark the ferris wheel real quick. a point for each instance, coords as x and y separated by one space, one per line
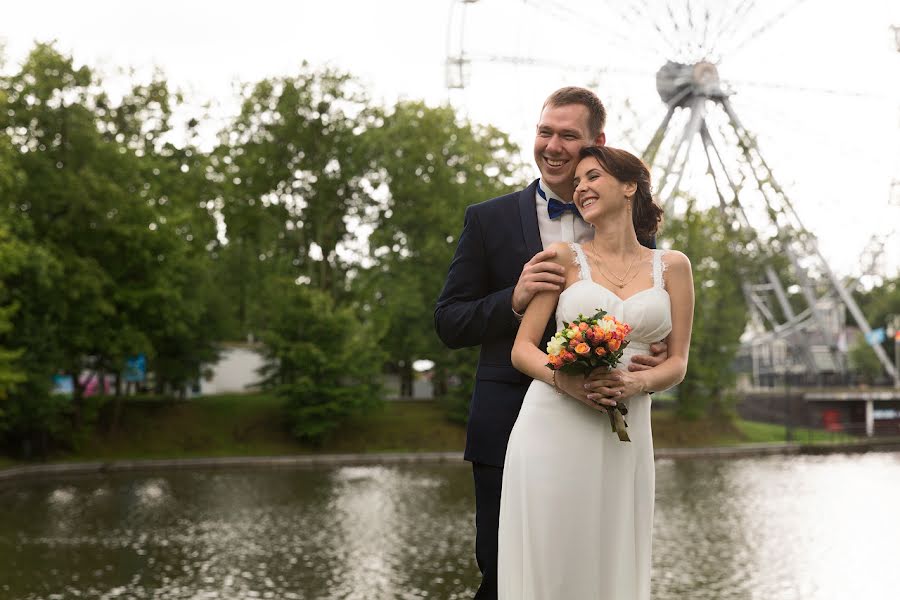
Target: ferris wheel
656 64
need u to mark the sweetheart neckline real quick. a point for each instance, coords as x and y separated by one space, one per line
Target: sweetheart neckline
615 295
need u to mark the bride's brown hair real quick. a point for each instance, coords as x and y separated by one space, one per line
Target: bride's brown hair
646 214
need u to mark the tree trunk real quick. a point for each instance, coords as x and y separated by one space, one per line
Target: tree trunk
77 401
406 379
440 382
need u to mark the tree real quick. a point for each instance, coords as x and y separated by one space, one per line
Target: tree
321 358
864 361
119 216
293 179
880 305
719 259
433 166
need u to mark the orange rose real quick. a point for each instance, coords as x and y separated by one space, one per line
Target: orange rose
614 345
600 351
568 356
582 349
555 361
583 326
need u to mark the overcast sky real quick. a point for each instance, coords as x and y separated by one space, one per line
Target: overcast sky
820 86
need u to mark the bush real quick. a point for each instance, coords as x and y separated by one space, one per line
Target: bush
321 358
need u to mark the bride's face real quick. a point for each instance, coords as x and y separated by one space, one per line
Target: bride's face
597 192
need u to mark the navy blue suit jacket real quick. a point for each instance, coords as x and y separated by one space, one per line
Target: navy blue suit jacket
475 308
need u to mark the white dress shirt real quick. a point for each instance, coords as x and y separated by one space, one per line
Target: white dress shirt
567 228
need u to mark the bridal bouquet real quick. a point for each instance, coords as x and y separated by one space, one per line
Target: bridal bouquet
586 344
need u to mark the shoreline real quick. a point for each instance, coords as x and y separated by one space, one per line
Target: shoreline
397 458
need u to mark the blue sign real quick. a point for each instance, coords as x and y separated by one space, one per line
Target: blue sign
62 384
875 337
135 369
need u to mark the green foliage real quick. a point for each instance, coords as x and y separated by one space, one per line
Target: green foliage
108 211
864 361
433 166
120 235
11 372
720 259
293 176
321 358
880 305
457 372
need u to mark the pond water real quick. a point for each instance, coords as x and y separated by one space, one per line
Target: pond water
775 528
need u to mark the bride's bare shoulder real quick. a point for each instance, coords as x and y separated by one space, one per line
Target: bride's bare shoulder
565 254
676 267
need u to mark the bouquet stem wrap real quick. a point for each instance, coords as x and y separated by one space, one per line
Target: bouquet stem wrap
617 421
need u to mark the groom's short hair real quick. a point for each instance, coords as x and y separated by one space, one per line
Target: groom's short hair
579 95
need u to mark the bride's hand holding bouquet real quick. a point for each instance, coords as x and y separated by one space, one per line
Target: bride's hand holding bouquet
583 352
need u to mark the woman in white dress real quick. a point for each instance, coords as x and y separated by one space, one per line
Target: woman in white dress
576 511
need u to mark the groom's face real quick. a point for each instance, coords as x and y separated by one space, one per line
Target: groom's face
562 132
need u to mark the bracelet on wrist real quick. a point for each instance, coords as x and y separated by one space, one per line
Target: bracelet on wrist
555 385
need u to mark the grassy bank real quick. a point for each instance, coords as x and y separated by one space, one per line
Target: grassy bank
252 425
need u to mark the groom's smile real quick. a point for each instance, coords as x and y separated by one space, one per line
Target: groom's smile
562 132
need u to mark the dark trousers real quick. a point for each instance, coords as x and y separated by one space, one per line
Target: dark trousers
488 480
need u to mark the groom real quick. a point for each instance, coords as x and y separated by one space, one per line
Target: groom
488 289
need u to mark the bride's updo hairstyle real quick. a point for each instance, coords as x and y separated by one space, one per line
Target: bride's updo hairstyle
646 214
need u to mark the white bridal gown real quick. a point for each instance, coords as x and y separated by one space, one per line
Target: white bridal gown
576 513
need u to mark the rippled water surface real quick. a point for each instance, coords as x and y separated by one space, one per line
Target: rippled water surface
797 528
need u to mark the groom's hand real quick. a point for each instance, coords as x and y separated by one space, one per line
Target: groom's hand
538 275
641 362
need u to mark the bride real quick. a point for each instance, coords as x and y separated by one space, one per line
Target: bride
576 511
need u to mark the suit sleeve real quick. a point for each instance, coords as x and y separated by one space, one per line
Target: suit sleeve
468 312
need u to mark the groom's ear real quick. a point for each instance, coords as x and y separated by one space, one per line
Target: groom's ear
600 140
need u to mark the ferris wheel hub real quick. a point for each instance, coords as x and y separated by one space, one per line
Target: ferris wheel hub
680 83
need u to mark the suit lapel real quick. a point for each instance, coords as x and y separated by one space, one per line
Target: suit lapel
529 219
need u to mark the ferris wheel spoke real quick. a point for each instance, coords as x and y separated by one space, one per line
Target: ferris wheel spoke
632 17
763 28
731 22
643 16
787 87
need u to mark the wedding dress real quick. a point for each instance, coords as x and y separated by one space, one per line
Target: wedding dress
576 510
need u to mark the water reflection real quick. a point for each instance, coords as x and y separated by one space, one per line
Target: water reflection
777 528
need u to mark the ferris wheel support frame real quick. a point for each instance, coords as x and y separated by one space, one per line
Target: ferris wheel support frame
797 243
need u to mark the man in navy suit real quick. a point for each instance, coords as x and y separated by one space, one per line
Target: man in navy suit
488 289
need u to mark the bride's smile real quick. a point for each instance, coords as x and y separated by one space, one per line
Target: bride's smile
596 188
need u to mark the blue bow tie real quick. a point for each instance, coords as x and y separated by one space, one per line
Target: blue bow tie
556 208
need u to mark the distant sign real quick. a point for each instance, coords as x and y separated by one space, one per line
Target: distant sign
135 369
884 414
875 337
62 384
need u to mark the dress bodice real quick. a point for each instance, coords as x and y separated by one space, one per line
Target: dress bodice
648 311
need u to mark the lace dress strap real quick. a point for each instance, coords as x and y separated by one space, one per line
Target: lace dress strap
659 268
584 271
